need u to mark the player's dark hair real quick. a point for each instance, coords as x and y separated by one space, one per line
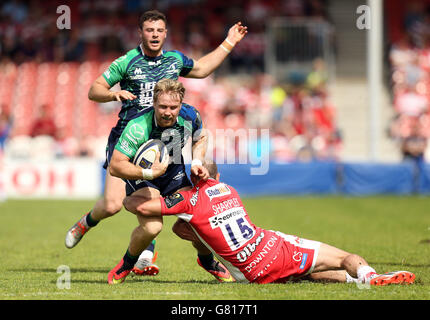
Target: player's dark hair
211 167
152 15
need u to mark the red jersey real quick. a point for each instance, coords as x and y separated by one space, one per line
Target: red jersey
216 213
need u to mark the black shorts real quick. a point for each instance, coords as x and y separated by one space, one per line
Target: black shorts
172 180
110 147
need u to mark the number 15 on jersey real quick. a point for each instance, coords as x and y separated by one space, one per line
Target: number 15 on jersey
234 226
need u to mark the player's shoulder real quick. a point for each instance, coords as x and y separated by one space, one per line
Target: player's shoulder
145 115
128 57
176 54
142 120
188 111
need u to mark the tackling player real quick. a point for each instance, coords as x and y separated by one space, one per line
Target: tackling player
172 122
137 72
216 214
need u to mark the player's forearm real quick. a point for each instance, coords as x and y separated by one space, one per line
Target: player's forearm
125 170
208 63
100 93
199 147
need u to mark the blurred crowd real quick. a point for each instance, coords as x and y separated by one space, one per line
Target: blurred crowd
410 66
103 30
297 111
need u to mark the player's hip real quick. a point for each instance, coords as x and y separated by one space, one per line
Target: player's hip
172 180
294 258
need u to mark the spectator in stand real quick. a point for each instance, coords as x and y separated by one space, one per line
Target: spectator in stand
44 124
16 9
5 126
415 144
410 102
402 53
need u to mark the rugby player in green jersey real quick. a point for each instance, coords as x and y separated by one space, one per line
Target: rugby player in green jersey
137 72
173 122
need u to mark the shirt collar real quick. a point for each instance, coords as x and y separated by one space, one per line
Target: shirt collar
146 57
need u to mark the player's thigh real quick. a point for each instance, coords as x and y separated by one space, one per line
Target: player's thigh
114 194
114 187
152 225
329 258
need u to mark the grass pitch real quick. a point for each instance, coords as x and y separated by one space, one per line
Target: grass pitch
391 233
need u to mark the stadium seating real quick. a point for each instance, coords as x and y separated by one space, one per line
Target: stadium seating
59 76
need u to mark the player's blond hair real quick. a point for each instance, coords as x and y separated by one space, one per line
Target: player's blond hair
170 86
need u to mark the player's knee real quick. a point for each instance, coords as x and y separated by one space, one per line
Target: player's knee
350 261
152 228
183 231
112 207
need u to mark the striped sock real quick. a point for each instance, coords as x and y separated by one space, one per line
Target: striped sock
129 260
90 221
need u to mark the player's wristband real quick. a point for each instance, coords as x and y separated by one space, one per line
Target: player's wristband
227 46
196 162
147 174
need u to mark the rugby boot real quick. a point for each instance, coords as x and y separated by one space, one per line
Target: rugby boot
146 267
76 232
219 271
397 277
118 274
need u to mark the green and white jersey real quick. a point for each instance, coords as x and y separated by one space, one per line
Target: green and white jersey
138 74
143 128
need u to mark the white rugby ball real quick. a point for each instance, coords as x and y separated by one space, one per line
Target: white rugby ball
145 155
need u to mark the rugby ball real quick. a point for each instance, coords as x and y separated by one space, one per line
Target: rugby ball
145 155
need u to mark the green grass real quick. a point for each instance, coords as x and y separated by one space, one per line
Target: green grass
391 233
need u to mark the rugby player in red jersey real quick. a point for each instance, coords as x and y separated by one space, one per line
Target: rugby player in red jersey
215 214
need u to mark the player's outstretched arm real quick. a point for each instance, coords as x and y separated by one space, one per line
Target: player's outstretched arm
208 63
142 206
100 92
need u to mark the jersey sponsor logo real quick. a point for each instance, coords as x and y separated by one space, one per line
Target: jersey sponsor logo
154 63
218 190
173 200
262 253
224 217
136 131
131 138
125 146
146 94
194 198
246 252
305 257
266 267
138 74
179 175
173 68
